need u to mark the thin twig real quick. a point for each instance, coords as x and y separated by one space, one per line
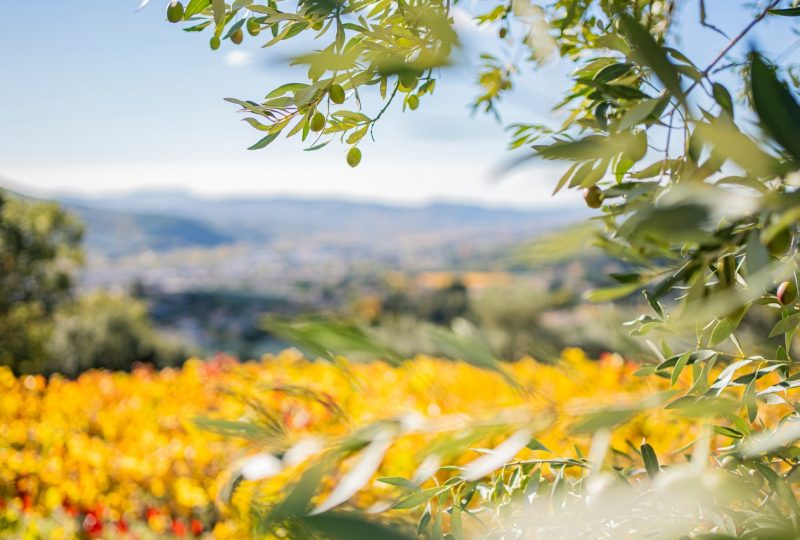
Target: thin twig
383 110
734 42
707 24
666 148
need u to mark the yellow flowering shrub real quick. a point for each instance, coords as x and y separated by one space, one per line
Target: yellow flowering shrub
115 453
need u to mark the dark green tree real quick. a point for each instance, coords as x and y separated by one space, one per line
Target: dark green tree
106 331
44 327
39 251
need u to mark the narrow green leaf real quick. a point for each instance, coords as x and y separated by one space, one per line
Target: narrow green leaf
234 27
786 12
652 55
730 142
232 428
726 326
317 146
786 324
694 357
219 11
638 113
565 177
650 460
613 71
285 89
321 337
611 293
351 526
776 106
198 27
590 147
723 97
701 383
756 254
679 365
456 526
424 521
612 416
256 124
194 7
726 375
248 105
728 432
536 445
398 481
750 400
265 141
298 501
420 497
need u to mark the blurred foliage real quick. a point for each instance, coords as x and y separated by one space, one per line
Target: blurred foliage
107 331
440 306
44 328
530 315
39 249
693 173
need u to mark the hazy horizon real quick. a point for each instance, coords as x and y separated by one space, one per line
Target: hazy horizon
570 202
107 100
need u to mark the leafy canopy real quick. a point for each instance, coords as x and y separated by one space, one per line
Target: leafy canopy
693 170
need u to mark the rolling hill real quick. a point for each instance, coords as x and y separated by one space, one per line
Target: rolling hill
197 221
119 233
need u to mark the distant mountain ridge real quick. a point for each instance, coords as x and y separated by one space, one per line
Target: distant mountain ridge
119 233
177 242
267 219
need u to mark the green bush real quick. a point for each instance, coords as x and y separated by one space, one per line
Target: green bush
39 250
43 327
102 330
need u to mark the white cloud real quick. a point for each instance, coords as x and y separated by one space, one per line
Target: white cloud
238 58
452 172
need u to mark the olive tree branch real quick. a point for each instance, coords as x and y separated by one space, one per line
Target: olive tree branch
383 110
733 43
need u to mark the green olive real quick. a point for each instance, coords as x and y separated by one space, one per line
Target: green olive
354 157
408 80
215 42
593 197
317 122
317 26
253 28
780 243
336 92
502 32
237 36
175 12
413 102
787 292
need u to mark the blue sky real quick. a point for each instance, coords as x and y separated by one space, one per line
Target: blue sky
98 98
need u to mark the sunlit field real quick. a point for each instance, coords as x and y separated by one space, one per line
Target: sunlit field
160 453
